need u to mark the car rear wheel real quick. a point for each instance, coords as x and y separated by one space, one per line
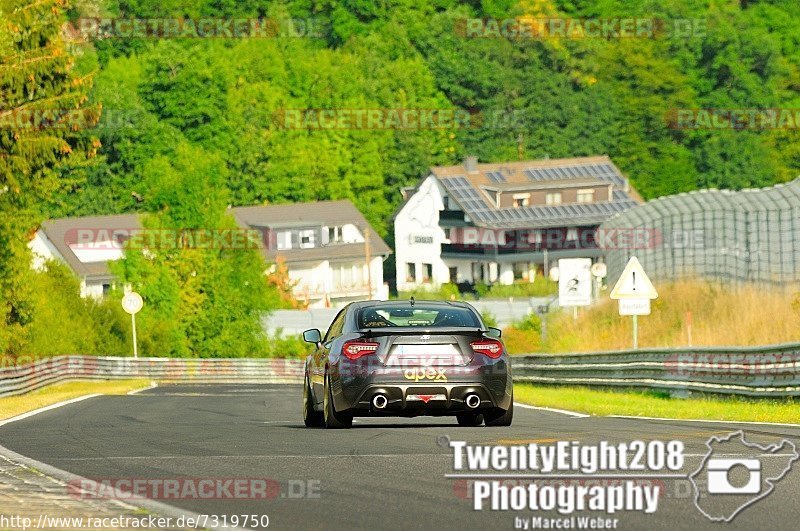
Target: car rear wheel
334 419
500 417
311 417
469 419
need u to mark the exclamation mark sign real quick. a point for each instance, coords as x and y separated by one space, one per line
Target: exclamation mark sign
633 280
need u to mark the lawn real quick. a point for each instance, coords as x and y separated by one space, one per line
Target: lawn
651 404
16 405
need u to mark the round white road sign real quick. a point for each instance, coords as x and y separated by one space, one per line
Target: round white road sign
132 302
599 270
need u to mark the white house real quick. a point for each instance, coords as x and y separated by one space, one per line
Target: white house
86 244
503 222
333 255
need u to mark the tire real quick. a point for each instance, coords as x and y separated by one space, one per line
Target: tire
469 419
311 417
500 417
332 418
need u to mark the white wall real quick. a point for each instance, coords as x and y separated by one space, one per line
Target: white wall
419 218
42 250
352 234
506 274
319 279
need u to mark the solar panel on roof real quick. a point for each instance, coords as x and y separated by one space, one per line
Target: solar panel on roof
496 177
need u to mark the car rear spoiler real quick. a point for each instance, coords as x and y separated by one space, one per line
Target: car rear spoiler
420 330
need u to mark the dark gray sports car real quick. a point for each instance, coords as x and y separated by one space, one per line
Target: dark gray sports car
407 358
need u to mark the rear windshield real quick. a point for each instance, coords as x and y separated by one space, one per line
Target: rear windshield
419 315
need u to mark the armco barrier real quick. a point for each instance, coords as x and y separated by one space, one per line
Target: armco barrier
768 371
20 379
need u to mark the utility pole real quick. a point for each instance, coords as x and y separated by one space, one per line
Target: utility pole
368 257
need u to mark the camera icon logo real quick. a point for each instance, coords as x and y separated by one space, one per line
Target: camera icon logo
735 474
719 471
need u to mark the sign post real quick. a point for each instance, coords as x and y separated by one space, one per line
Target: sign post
634 291
132 303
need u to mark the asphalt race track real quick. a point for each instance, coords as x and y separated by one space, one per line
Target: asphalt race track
381 474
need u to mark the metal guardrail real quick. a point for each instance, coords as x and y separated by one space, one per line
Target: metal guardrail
23 378
768 371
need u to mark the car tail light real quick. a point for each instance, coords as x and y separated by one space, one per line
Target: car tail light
488 347
356 349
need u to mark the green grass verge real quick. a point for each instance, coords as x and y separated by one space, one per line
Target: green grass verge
652 404
16 405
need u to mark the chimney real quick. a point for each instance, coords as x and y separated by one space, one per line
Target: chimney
471 164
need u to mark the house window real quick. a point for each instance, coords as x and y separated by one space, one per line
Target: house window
521 200
586 196
447 233
283 240
477 272
521 270
427 272
411 273
453 274
334 234
553 198
306 239
446 202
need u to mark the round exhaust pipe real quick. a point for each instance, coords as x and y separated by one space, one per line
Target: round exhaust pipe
472 401
379 401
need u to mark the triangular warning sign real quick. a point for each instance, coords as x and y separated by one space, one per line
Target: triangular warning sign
633 283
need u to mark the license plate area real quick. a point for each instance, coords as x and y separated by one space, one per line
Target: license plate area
425 355
426 398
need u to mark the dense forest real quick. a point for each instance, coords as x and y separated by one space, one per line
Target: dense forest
186 125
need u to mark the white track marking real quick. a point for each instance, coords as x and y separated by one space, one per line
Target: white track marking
553 410
47 408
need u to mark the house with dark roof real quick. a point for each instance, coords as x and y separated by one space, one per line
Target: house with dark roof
504 222
87 245
331 252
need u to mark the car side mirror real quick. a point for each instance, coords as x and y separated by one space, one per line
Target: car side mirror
312 336
494 333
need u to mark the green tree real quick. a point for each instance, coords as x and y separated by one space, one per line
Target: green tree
38 81
200 300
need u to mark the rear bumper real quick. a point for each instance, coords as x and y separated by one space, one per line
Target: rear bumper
406 396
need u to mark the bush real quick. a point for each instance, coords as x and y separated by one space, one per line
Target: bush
489 319
524 336
446 292
65 323
530 323
542 287
287 347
